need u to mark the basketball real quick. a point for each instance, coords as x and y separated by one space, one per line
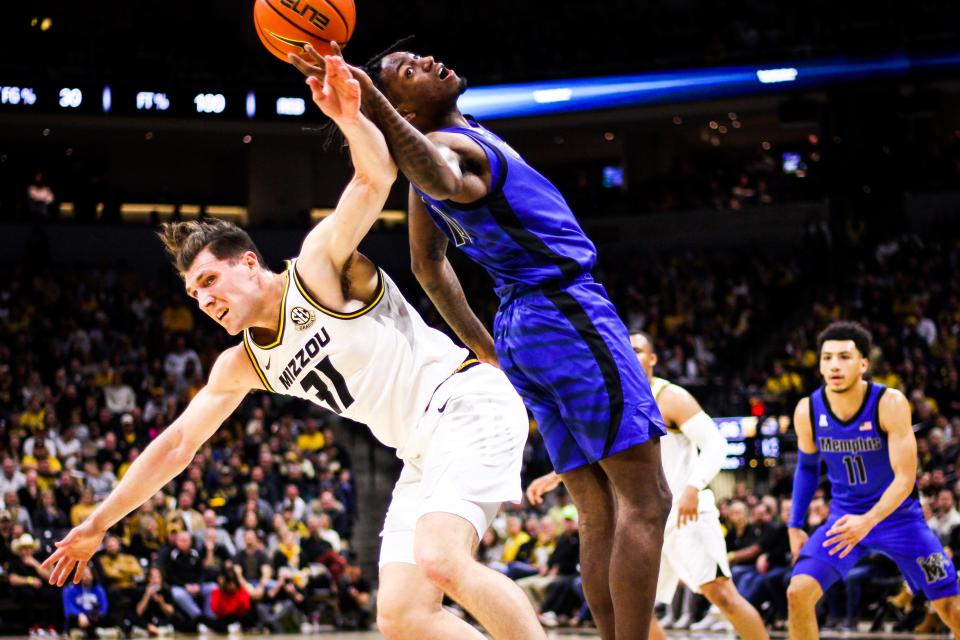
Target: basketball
287 26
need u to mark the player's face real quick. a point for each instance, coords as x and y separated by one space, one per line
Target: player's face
645 354
841 365
224 289
421 84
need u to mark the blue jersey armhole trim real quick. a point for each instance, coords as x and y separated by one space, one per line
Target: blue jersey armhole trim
496 182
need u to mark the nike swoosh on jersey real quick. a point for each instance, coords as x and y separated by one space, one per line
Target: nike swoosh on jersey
443 406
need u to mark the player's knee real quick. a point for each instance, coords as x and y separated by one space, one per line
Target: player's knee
802 593
721 593
397 617
439 566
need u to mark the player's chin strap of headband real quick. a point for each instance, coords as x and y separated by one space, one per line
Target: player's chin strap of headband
804 486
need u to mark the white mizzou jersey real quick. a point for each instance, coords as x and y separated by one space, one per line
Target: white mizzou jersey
378 365
678 454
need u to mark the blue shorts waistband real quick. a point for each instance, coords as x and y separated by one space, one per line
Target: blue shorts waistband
516 290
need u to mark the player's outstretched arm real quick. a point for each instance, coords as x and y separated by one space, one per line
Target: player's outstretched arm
337 237
805 477
434 163
428 260
894 413
166 457
679 407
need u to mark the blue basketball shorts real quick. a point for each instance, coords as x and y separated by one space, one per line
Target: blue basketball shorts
568 354
904 537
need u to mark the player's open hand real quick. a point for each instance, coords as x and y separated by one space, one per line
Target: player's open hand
689 506
542 485
313 65
845 533
72 553
338 95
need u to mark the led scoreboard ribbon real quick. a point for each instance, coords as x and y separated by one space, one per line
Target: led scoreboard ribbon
501 101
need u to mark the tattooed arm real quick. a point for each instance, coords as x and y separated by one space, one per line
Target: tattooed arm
428 255
446 166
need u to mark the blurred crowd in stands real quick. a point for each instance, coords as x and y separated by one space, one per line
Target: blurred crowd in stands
258 531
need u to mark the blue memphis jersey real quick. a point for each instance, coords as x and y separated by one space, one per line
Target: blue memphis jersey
856 453
522 232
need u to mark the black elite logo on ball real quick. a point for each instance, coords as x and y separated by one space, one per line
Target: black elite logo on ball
302 318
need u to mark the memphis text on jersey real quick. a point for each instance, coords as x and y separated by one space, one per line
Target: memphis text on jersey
837 445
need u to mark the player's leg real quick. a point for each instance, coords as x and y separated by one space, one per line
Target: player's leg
471 465
444 550
409 607
922 560
641 514
813 575
667 580
591 492
949 611
741 614
606 406
802 596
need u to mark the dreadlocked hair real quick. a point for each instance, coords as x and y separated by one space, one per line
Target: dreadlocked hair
332 133
185 240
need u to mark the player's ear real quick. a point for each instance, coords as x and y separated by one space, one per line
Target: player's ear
653 360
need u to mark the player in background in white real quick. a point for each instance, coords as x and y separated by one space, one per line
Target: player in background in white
694 550
335 330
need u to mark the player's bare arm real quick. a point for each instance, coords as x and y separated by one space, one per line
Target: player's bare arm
231 378
806 444
447 166
428 260
330 249
849 530
680 408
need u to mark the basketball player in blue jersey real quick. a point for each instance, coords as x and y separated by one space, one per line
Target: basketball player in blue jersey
335 330
557 335
862 431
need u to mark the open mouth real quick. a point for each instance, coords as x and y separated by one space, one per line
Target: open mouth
222 315
442 71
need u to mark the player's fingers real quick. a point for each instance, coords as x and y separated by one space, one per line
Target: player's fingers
78 573
316 57
51 560
303 66
335 47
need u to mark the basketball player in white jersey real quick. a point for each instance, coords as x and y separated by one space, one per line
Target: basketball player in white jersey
694 550
335 330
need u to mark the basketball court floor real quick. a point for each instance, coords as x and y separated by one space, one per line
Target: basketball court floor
557 634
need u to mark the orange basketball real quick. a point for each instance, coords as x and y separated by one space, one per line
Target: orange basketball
287 26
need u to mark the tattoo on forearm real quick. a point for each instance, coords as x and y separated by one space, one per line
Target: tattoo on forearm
416 156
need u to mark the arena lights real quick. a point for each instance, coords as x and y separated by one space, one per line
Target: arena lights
587 94
291 106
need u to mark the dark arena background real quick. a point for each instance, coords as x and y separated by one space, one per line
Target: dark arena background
749 171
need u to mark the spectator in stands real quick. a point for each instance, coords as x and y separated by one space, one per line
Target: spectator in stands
252 560
11 503
49 520
354 598
230 604
121 572
35 599
11 478
154 610
85 607
183 567
40 200
83 508
945 515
